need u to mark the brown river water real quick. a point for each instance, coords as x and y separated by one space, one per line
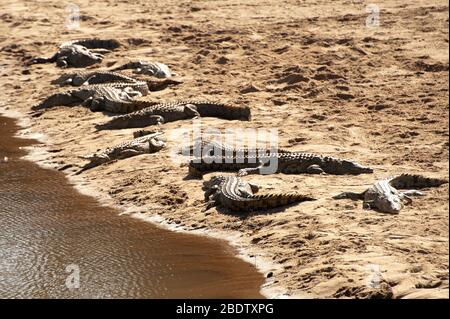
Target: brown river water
51 235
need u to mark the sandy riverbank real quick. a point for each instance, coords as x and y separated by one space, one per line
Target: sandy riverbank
329 84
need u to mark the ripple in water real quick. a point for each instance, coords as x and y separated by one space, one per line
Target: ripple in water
46 226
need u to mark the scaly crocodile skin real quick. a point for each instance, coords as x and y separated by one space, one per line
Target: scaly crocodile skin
150 143
236 195
385 196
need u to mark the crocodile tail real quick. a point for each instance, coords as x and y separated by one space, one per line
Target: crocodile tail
223 111
94 162
276 200
412 181
157 85
98 43
57 99
350 195
39 60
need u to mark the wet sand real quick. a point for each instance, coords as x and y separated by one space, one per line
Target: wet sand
47 226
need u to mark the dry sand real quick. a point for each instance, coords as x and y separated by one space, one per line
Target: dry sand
312 69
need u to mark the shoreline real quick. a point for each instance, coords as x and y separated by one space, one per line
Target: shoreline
54 226
42 156
317 73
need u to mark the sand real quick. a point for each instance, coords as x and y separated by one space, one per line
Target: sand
314 70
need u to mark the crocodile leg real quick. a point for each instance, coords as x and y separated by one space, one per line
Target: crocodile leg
100 51
210 204
62 62
211 191
94 104
191 110
314 169
132 93
90 80
215 200
65 98
405 196
412 192
244 192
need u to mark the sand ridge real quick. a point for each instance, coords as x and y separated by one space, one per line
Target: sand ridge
313 70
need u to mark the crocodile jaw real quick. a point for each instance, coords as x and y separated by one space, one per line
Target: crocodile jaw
389 204
349 167
384 198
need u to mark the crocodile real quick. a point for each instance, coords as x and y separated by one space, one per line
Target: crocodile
79 53
155 69
239 196
108 97
98 77
384 195
276 162
173 111
149 143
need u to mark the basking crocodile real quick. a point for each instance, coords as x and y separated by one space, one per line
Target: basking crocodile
279 162
79 53
156 69
149 143
108 97
384 195
169 112
98 77
236 195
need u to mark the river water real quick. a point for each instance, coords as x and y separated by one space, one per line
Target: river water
57 243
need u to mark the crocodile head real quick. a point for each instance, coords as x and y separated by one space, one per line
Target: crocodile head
78 56
69 79
211 187
156 69
246 114
383 199
213 182
387 203
191 111
349 167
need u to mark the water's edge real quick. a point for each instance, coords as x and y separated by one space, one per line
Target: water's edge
43 158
